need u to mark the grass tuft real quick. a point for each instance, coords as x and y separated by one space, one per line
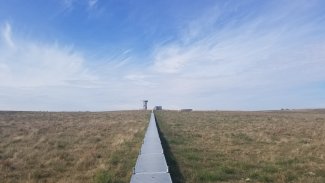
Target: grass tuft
103 177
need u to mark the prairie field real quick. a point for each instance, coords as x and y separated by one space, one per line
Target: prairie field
68 147
269 146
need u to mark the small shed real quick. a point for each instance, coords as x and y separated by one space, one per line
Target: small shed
157 108
185 110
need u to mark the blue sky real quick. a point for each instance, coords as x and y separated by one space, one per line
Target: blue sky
109 55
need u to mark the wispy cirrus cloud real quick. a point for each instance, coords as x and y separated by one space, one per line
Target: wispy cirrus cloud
71 4
6 35
35 64
263 49
50 76
273 54
92 3
68 4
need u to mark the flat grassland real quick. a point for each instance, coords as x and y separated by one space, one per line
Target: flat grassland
274 146
70 147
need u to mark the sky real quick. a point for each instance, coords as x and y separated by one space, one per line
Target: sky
99 55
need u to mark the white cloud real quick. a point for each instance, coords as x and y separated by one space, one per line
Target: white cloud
280 51
31 64
92 3
68 4
51 76
252 52
6 35
71 4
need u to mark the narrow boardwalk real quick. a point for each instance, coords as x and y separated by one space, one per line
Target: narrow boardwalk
151 166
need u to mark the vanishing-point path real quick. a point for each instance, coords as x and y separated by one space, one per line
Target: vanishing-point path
151 166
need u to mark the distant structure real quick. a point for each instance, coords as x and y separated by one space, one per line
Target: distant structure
145 104
157 108
185 110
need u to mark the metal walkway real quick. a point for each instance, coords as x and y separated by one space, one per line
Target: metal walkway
151 166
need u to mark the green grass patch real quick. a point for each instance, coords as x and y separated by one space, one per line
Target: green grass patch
103 176
237 146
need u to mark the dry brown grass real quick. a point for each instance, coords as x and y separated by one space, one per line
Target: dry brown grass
69 147
275 146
